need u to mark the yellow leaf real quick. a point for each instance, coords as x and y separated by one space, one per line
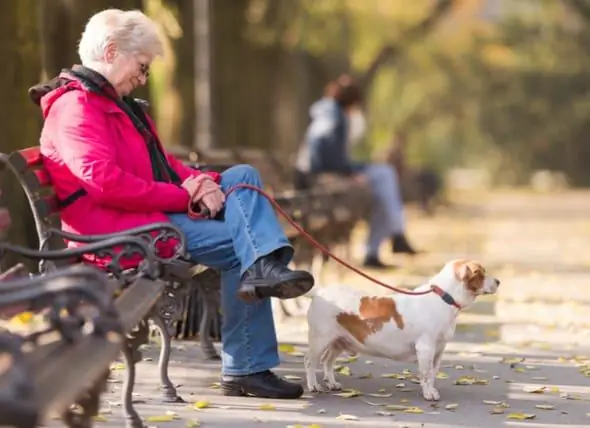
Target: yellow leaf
395 407
267 407
492 403
285 347
520 370
545 406
554 389
393 376
520 416
441 375
161 418
344 371
366 376
215 385
118 366
100 418
346 360
193 423
348 393
201 405
497 411
380 395
470 380
451 406
512 360
415 410
314 426
296 354
534 389
22 318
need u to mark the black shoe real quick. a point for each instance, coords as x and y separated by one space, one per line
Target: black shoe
373 262
399 244
264 385
268 277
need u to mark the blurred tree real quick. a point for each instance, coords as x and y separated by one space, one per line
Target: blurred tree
19 117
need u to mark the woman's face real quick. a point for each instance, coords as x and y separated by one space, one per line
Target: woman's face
127 72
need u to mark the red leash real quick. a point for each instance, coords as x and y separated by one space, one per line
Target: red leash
315 243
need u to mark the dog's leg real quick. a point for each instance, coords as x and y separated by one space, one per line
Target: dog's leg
311 362
328 362
426 365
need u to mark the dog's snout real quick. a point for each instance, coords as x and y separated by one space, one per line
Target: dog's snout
497 281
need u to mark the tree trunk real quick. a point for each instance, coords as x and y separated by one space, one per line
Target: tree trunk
19 117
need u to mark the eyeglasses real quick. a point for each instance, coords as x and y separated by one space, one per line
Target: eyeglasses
144 69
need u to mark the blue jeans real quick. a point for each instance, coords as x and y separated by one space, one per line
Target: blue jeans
249 230
387 217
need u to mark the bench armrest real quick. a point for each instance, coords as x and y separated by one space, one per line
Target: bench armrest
130 246
165 231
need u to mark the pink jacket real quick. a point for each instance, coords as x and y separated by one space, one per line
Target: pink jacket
87 141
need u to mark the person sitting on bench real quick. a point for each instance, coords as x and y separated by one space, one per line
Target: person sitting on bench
112 174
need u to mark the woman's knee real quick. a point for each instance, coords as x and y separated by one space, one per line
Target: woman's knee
241 173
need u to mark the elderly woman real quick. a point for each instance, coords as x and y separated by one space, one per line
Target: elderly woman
112 174
336 120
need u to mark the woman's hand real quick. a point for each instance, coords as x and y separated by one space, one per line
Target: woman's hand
213 197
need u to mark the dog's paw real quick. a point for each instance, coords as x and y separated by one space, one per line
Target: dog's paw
334 386
314 389
430 393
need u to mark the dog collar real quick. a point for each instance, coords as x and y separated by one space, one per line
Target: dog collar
447 298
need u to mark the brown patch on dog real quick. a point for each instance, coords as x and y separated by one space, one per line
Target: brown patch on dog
374 312
472 274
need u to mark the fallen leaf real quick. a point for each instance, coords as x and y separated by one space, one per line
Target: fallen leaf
380 395
201 405
267 407
534 389
451 406
322 411
521 416
512 360
285 347
193 423
100 418
346 360
414 410
394 376
441 375
492 403
345 371
369 362
539 378
215 385
161 418
382 413
545 406
118 366
497 411
366 376
348 393
470 380
395 407
344 417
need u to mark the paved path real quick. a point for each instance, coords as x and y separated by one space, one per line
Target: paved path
535 243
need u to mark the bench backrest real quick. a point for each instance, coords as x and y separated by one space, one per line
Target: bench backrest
27 166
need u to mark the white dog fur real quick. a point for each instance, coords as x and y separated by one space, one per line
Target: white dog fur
395 326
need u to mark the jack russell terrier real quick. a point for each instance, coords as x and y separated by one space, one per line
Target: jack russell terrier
396 326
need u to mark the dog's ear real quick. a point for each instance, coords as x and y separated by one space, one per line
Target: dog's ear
471 273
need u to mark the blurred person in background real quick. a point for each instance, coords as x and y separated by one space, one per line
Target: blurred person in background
337 122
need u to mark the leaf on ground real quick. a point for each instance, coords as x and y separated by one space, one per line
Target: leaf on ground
442 375
414 410
491 402
497 411
267 407
383 413
519 370
348 393
215 385
296 354
371 403
322 411
193 423
544 406
400 385
345 371
201 405
366 376
512 360
380 395
100 418
161 418
452 406
393 376
539 378
369 362
470 380
117 366
534 389
521 416
345 417
285 347
396 407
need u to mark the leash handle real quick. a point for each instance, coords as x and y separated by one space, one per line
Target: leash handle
319 246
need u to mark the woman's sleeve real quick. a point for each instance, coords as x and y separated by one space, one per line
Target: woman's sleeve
84 142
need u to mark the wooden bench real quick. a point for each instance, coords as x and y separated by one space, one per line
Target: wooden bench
181 276
88 320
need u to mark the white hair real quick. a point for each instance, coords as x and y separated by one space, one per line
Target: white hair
131 31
